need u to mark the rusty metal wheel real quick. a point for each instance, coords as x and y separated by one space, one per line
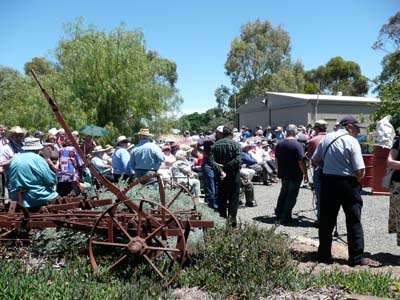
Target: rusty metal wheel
178 197
150 241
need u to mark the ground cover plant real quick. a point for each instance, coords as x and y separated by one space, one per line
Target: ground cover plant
225 263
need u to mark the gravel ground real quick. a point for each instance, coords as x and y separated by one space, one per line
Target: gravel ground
379 245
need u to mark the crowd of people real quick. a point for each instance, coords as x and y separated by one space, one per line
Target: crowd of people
41 167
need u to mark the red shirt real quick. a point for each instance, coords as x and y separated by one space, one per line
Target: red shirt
313 143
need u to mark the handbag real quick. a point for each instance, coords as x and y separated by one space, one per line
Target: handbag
387 179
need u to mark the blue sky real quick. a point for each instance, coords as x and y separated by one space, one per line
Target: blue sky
197 34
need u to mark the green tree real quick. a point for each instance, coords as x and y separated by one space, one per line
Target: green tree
388 82
338 75
261 49
40 65
260 61
113 78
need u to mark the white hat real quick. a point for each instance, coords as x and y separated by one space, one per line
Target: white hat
52 131
75 133
220 129
98 149
32 144
122 138
185 147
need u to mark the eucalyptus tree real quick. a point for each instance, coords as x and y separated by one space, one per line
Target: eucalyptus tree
259 61
113 78
338 75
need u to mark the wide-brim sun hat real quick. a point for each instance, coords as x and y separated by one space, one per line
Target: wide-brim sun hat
144 132
98 149
121 139
185 148
32 144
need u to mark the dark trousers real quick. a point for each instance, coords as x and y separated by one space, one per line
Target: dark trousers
248 189
2 184
209 185
339 191
287 199
65 188
228 196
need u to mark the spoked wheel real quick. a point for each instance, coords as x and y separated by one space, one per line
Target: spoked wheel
150 241
178 197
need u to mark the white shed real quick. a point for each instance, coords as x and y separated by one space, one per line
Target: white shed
280 109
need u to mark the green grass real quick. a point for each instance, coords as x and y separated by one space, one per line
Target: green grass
245 263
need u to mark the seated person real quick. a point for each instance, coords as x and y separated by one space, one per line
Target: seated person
261 169
181 170
166 165
258 153
102 165
31 174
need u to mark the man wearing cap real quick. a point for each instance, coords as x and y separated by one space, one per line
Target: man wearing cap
31 175
339 154
146 157
120 159
227 160
320 127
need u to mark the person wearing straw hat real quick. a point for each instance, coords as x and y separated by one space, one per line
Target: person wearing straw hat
31 175
14 146
120 159
100 164
146 157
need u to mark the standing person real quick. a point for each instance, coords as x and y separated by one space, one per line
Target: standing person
88 144
393 162
146 157
3 141
120 159
50 152
30 174
290 162
320 127
207 170
70 171
61 138
339 153
226 159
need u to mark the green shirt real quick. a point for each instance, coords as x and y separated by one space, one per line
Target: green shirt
228 153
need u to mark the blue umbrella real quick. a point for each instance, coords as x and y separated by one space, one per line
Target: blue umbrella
93 130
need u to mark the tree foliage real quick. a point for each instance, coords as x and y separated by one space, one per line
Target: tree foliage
113 78
388 82
260 61
261 49
338 75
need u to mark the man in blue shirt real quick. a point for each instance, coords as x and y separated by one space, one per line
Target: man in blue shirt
31 174
339 154
120 159
146 157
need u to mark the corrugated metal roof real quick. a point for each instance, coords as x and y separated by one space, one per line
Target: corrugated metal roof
326 97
